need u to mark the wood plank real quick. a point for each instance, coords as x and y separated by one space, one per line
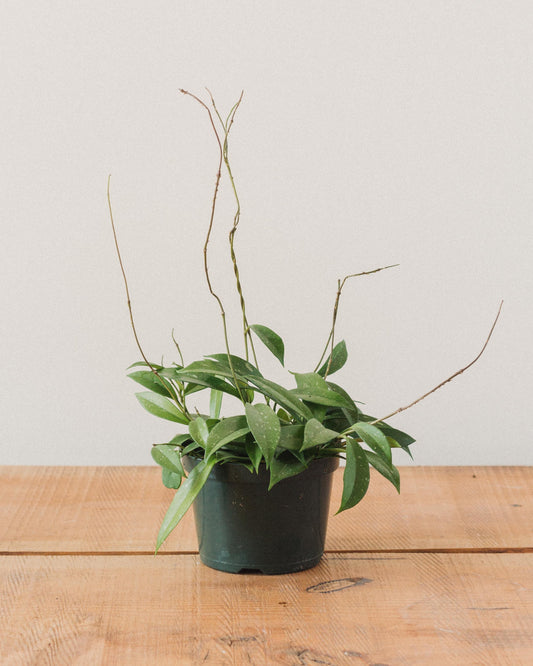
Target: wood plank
441 508
351 609
85 509
119 509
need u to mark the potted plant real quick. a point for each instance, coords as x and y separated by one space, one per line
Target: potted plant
260 476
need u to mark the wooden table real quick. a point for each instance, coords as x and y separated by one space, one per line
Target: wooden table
439 575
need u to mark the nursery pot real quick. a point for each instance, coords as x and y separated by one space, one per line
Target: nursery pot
244 527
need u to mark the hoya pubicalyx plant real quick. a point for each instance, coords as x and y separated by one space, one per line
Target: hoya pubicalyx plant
281 427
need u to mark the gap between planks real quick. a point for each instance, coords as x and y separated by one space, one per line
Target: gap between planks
391 551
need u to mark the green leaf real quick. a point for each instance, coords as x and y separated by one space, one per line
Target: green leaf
215 403
282 397
161 406
352 412
193 446
199 431
291 437
319 411
284 469
254 453
339 356
375 439
205 379
403 439
390 472
183 499
316 434
190 387
314 388
167 456
265 427
356 476
179 440
170 479
283 415
145 364
206 370
151 381
226 431
271 340
240 366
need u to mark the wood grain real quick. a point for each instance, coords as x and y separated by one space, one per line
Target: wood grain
119 509
351 609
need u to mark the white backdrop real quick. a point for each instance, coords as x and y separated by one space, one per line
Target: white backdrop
370 133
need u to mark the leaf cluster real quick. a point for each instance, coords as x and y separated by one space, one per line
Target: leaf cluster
283 429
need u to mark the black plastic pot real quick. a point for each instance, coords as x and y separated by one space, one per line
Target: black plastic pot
244 527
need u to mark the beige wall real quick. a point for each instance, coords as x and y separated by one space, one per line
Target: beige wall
371 133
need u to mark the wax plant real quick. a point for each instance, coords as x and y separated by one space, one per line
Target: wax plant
281 427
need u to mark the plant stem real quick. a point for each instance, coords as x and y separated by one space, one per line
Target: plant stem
331 338
173 395
179 385
208 236
178 348
455 374
226 126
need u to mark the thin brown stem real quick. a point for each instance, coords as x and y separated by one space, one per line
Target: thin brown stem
130 309
455 374
180 386
208 236
176 344
226 126
331 338
125 278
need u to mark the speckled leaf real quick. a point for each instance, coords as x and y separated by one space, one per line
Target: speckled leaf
356 476
282 396
199 431
160 406
280 470
265 427
315 434
339 356
151 381
271 340
183 499
226 431
314 388
167 456
291 437
254 453
390 472
375 439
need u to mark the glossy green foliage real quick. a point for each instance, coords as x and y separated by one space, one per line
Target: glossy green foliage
314 388
338 357
282 428
199 432
356 476
152 382
375 439
316 434
285 468
183 499
160 406
225 432
271 340
167 456
171 479
265 427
